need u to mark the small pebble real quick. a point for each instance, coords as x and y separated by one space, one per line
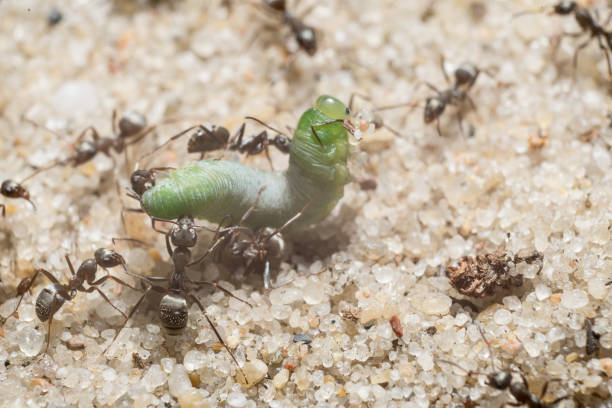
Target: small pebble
254 371
281 378
301 337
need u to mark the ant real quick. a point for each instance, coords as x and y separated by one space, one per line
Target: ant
12 189
588 25
502 380
54 295
131 128
465 77
305 35
258 250
173 307
205 140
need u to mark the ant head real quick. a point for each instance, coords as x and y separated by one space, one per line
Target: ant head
173 313
565 7
500 380
181 257
466 74
278 5
141 181
185 234
12 189
307 39
434 107
108 258
282 143
49 300
131 123
275 245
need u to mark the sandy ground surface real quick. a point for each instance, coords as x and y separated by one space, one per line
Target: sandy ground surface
531 172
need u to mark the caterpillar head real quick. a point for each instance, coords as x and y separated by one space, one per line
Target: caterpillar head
332 107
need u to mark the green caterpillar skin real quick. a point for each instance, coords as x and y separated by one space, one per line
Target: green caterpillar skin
215 189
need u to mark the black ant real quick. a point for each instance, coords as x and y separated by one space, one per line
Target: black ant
588 25
205 140
13 189
258 249
173 307
54 295
305 35
465 77
130 129
502 380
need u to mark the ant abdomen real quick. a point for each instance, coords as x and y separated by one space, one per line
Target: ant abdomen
131 123
173 313
12 189
49 301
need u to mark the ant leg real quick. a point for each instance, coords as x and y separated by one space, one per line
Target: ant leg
168 246
216 286
252 207
442 59
91 289
129 316
266 275
545 388
138 137
316 135
470 101
236 140
114 121
176 136
460 122
49 334
432 87
575 58
267 153
289 222
438 127
606 53
196 301
94 134
107 277
3 209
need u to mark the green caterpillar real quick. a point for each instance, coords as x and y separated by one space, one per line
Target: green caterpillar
317 172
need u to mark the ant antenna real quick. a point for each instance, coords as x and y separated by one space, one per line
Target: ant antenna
263 124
